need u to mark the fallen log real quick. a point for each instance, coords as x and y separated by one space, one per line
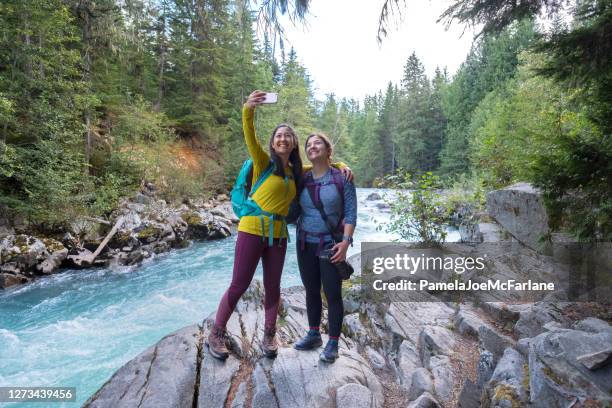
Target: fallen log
112 232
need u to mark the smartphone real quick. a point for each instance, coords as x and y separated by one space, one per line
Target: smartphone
271 97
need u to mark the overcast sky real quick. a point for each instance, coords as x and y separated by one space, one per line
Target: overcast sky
338 46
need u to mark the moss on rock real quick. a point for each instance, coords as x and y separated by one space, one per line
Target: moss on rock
191 218
148 232
504 392
53 245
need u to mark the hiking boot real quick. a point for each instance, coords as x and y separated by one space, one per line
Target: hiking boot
330 352
216 343
269 343
310 341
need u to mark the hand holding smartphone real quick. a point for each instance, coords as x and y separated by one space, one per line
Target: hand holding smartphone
271 97
259 97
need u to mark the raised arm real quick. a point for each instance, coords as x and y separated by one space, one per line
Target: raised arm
257 153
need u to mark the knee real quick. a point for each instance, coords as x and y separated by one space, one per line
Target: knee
236 290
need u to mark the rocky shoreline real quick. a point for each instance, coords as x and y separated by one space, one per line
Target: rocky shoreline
406 354
144 225
395 354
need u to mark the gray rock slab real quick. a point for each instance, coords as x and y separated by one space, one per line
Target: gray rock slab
407 361
299 379
494 341
468 322
596 360
592 325
354 396
532 320
164 375
376 359
443 377
520 210
421 382
426 400
406 319
469 397
485 367
557 378
506 386
215 379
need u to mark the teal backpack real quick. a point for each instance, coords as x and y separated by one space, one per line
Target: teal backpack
243 203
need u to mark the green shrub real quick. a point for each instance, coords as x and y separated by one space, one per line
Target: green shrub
418 211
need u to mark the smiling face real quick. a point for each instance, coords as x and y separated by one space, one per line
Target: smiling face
317 149
283 141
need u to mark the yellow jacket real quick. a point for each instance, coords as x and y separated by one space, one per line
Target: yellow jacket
274 195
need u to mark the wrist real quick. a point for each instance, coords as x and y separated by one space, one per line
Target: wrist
348 239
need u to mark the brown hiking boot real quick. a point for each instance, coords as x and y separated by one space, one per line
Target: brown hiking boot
216 343
269 344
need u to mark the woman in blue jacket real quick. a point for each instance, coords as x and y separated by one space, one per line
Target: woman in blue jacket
316 248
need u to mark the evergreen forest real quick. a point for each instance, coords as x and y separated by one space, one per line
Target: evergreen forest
97 97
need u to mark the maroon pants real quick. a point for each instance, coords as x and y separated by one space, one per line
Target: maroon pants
249 249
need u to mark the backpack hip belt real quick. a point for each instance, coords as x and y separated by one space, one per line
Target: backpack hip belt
271 217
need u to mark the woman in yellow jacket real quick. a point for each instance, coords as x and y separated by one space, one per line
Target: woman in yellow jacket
254 240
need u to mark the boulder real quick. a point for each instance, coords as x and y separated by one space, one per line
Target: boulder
354 396
558 378
82 259
443 377
426 400
592 325
493 341
520 210
164 375
375 358
533 319
506 388
373 197
596 360
485 367
57 255
468 322
203 225
9 279
469 397
226 211
433 341
421 382
407 362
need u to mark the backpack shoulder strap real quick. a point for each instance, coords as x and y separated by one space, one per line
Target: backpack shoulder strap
338 180
262 177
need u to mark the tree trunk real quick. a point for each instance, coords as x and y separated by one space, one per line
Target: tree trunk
84 14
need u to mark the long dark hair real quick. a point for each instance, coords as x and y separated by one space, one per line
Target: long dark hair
294 157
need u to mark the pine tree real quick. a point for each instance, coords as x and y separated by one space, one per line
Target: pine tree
412 138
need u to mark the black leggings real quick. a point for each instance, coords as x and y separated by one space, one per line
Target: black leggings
314 271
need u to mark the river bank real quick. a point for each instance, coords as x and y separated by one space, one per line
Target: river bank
138 228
